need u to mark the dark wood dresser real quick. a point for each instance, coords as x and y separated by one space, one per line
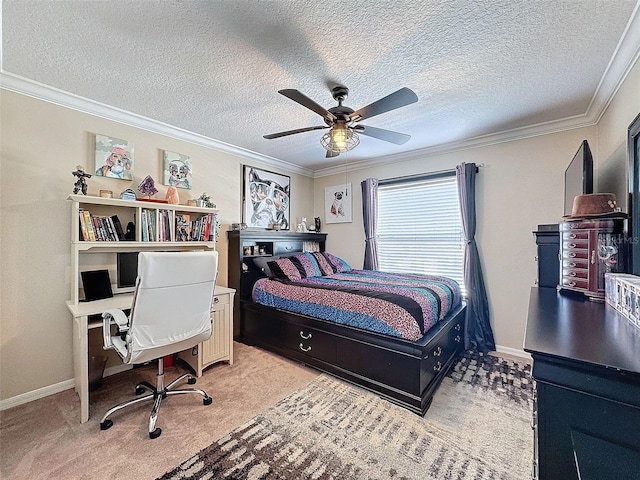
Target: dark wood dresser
586 364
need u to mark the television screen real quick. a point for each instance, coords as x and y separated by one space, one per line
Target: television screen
578 177
127 269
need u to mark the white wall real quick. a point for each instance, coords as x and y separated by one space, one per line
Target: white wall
41 145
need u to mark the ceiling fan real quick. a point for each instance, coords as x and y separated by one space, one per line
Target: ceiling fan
341 120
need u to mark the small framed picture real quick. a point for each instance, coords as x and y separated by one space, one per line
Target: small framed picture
337 202
114 158
178 170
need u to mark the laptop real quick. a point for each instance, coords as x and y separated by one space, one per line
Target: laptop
96 284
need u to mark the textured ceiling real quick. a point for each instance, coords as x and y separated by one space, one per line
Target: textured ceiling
479 67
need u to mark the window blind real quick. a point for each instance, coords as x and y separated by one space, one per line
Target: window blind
420 227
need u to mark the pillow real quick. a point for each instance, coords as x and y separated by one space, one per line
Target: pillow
330 264
295 267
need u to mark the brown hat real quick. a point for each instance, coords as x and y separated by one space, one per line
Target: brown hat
595 205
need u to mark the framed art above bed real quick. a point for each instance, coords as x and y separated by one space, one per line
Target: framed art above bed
266 197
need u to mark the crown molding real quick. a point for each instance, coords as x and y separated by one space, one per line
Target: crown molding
24 86
505 136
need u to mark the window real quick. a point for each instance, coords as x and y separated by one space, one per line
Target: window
420 227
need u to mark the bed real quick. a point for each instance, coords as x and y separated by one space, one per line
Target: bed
396 335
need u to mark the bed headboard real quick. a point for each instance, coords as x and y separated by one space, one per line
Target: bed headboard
246 245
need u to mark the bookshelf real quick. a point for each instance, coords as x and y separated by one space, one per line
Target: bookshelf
158 226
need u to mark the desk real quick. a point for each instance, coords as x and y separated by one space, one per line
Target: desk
81 312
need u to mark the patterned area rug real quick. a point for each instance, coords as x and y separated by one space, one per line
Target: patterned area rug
478 427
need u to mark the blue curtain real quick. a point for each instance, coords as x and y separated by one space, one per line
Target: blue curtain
478 334
370 219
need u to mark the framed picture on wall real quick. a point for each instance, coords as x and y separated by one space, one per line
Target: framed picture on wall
337 204
177 171
114 158
266 197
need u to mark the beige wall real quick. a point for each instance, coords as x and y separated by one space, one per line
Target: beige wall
520 186
41 144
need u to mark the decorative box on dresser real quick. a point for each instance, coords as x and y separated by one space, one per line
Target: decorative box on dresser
245 245
589 248
586 365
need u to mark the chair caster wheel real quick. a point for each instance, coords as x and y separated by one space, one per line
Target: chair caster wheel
207 401
155 434
191 381
106 425
140 390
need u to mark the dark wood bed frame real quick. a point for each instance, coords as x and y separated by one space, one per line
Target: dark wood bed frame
404 372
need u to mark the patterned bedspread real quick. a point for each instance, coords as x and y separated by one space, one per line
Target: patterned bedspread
399 305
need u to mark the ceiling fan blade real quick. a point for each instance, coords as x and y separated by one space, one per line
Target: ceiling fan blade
291 132
305 101
402 97
381 134
331 154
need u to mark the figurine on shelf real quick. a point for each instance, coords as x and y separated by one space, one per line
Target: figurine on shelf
148 187
318 224
81 180
172 196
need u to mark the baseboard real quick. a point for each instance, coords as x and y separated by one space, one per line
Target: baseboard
36 394
52 389
513 352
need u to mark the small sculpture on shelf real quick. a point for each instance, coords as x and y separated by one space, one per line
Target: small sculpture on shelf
317 223
148 187
81 180
172 196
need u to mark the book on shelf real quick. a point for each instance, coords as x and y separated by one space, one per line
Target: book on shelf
84 232
183 227
89 224
118 227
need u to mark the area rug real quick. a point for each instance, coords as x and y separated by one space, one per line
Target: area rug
478 427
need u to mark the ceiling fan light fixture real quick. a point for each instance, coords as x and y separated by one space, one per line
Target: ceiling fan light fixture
340 139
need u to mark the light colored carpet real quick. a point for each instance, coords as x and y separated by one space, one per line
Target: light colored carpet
44 439
478 427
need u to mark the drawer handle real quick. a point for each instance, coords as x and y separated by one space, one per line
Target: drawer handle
572 254
288 247
308 349
572 264
458 327
593 257
306 337
572 284
572 274
457 339
437 352
216 300
437 367
572 245
572 235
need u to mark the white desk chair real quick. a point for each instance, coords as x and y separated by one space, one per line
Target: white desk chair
171 312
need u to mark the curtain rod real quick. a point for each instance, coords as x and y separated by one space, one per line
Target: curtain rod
419 176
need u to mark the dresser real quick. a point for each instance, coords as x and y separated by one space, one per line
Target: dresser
589 248
586 365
